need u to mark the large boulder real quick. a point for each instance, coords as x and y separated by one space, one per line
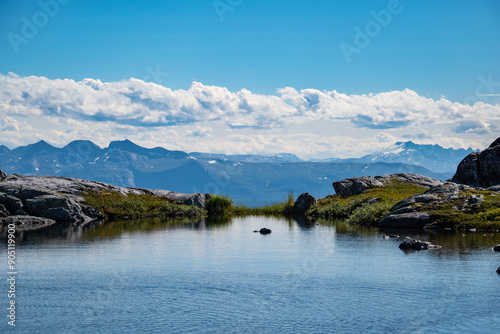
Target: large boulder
406 220
11 203
55 207
356 185
480 169
303 203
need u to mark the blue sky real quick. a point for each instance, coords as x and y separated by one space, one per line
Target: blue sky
433 48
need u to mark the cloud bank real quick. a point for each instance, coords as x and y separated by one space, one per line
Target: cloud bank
214 118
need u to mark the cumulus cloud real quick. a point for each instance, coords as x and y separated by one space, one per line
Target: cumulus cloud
472 126
9 124
135 102
200 131
62 110
383 137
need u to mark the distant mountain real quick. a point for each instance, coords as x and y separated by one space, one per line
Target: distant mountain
4 149
249 179
433 157
276 158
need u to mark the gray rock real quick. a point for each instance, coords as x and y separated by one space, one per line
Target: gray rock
303 203
406 220
3 175
494 188
421 198
447 188
355 186
414 244
55 207
24 223
480 169
20 213
73 188
92 212
495 143
265 231
11 203
30 192
408 209
476 199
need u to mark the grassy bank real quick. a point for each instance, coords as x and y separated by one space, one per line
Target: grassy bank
223 205
366 208
118 206
115 205
459 213
462 213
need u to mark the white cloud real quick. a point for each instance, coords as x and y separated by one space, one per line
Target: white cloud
59 111
200 131
9 124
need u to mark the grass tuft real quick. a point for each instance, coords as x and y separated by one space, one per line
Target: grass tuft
283 208
219 205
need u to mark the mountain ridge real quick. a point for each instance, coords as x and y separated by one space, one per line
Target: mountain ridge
249 179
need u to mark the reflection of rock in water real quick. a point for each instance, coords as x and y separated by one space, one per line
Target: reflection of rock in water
304 221
74 232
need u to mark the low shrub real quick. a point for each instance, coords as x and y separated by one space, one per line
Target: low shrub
219 204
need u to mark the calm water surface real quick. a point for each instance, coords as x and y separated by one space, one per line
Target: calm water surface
219 277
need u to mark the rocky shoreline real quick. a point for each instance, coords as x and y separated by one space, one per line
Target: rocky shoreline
38 201
33 202
470 199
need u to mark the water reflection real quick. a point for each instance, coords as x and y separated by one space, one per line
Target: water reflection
463 242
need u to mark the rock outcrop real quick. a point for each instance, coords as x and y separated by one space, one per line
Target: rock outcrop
356 185
72 188
480 169
43 200
407 213
3 175
303 203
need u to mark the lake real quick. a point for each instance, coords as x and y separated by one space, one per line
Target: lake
217 276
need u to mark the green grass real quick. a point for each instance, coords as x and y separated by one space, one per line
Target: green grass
283 208
224 205
115 205
369 207
366 208
459 214
219 205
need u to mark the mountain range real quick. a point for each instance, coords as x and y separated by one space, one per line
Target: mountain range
248 179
